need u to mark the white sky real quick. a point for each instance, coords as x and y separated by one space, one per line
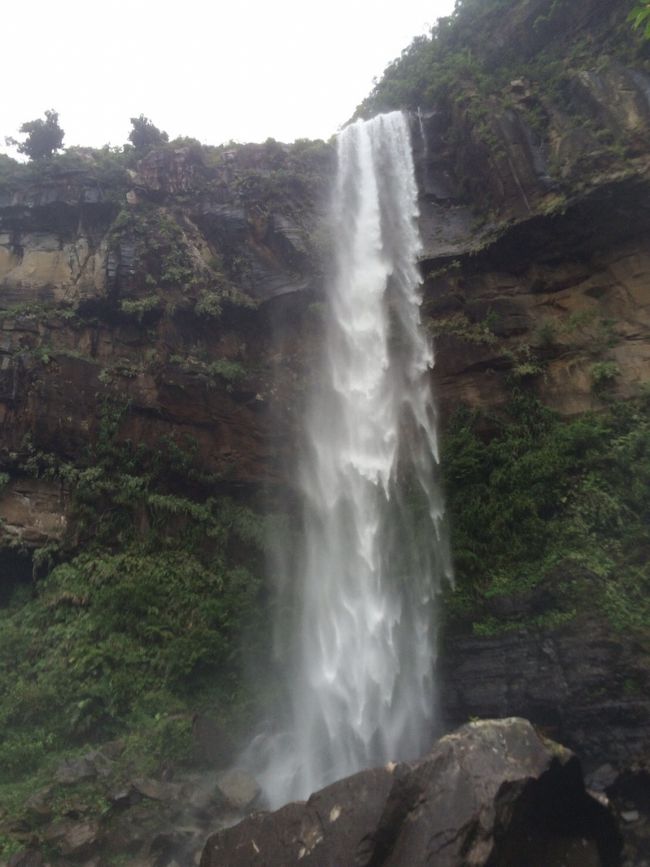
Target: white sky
214 70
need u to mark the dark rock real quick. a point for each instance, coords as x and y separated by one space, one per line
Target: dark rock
629 795
493 792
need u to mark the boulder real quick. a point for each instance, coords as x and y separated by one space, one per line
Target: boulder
237 788
493 793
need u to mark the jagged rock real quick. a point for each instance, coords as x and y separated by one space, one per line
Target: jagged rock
237 788
493 792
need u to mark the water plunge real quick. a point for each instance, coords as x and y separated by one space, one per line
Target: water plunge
362 643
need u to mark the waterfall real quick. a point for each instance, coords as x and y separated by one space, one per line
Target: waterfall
374 553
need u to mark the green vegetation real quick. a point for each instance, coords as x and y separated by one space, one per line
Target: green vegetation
140 624
145 135
537 502
640 17
455 65
603 375
44 137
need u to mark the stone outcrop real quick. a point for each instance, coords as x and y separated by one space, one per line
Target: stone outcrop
492 793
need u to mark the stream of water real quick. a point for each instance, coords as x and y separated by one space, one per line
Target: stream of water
361 646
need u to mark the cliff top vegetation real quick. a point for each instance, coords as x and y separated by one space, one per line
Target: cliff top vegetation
535 39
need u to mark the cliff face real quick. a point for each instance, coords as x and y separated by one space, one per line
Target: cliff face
164 294
167 314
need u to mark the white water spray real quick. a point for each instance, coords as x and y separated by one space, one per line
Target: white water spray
362 640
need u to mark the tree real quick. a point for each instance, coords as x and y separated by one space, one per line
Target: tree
145 134
44 137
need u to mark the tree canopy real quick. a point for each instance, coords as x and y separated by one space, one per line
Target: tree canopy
44 137
145 134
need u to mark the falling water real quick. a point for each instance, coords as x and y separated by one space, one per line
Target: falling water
375 552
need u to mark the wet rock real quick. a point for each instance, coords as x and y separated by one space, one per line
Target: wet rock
492 792
237 788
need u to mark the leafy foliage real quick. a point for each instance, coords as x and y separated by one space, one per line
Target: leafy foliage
146 621
640 17
455 65
540 499
145 134
44 137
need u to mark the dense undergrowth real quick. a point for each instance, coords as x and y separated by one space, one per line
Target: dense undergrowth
140 625
550 504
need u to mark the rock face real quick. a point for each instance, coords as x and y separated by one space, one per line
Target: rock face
492 793
585 686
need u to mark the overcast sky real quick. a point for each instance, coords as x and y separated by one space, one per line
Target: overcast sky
214 70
